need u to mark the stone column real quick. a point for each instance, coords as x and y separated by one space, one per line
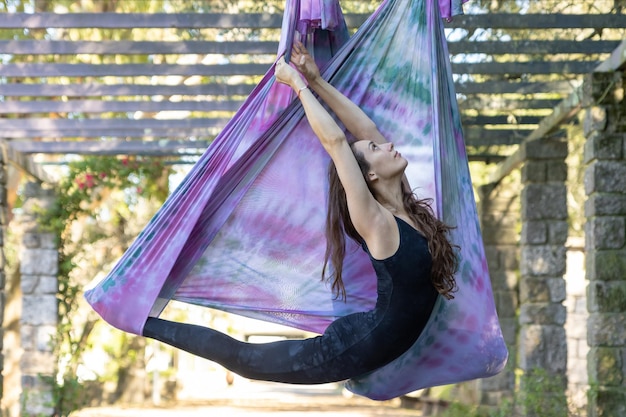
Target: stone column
499 209
3 223
605 242
542 341
38 324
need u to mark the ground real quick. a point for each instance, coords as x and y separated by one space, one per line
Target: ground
260 399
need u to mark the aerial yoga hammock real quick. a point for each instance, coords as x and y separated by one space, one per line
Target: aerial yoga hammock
244 231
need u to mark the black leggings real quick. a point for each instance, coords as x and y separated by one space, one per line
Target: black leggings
335 356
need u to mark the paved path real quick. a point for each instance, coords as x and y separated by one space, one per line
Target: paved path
260 399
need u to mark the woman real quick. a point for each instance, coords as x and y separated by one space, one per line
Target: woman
369 199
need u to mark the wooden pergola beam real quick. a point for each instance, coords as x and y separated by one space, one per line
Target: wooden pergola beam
113 147
151 20
24 163
22 70
107 106
222 89
538 21
566 109
265 20
531 47
48 47
116 90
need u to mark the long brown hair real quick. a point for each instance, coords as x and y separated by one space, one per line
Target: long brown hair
339 224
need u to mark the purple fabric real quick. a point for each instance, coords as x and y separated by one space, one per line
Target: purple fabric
244 231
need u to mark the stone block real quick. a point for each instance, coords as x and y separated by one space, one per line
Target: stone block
605 265
30 240
606 330
39 262
605 177
594 119
606 365
509 333
534 290
534 232
543 346
39 284
37 363
543 260
607 296
558 289
46 337
558 232
542 313
500 235
544 149
28 340
509 257
556 172
48 241
603 146
607 402
37 402
506 303
534 171
38 310
504 280
544 201
605 233
501 382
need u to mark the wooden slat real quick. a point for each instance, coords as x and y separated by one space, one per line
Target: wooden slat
227 21
511 87
499 120
145 148
169 129
532 47
114 132
113 147
43 124
132 70
44 47
101 106
152 20
538 21
477 136
97 90
485 102
519 68
128 70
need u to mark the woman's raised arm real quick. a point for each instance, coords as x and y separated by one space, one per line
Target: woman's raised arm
351 115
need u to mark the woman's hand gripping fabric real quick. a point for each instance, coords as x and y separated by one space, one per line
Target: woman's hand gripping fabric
304 62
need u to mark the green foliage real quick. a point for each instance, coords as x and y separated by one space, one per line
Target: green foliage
79 195
540 394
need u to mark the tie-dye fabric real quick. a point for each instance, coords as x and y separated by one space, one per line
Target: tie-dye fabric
244 232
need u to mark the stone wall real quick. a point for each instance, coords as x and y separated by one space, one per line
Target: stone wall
38 324
499 211
605 241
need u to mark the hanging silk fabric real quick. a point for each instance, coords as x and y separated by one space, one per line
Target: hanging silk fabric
244 231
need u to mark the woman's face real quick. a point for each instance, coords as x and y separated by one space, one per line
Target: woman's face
384 161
